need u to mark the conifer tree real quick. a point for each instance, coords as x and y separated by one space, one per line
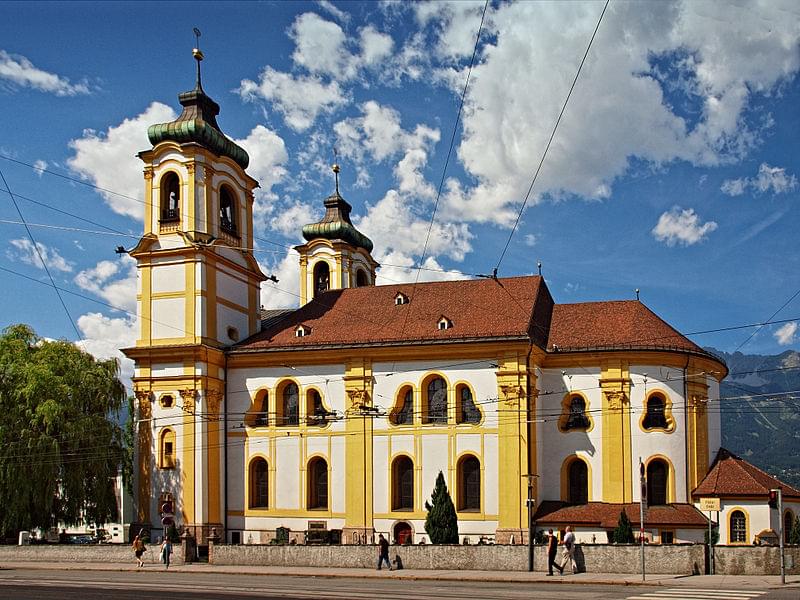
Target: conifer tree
441 522
623 534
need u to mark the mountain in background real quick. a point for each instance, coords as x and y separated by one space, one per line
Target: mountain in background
761 411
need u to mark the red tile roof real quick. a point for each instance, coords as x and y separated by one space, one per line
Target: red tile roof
731 476
516 307
606 515
621 324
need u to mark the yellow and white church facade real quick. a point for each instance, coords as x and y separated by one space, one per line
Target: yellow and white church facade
338 416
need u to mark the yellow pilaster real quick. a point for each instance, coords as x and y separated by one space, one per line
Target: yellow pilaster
514 453
144 399
146 307
190 302
303 279
188 456
191 200
214 441
148 199
358 450
615 385
697 427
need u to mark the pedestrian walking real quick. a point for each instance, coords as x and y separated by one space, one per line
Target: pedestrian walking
383 552
552 549
166 551
138 550
568 553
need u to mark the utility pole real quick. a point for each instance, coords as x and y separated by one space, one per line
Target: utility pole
531 503
778 493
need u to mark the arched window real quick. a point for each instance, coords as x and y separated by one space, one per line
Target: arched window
316 414
317 483
170 197
322 277
788 523
259 483
291 405
469 484
578 482
167 449
435 402
738 528
361 278
402 483
657 477
467 411
577 418
227 209
403 414
655 417
260 415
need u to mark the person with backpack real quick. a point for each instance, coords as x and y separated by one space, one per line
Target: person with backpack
569 552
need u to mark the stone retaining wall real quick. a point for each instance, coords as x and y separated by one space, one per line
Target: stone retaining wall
596 558
755 560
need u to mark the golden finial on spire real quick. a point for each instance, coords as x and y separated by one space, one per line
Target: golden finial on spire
197 53
335 168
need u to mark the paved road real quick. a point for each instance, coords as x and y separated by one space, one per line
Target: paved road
138 585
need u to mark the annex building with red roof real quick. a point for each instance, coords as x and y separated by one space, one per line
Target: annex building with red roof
331 421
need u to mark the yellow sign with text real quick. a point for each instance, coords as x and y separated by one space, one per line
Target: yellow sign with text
709 504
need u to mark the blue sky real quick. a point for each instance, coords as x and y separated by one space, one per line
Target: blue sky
674 169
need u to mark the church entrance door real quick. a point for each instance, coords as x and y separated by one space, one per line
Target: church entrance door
403 532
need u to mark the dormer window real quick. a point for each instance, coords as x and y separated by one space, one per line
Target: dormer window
445 323
302 331
401 299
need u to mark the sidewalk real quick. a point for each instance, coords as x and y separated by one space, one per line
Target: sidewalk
707 581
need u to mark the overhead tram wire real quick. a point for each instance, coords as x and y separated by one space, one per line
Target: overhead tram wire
552 135
752 335
283 247
447 158
39 254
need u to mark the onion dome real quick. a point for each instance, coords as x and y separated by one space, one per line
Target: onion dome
198 124
336 224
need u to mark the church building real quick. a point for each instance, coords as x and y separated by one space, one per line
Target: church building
335 418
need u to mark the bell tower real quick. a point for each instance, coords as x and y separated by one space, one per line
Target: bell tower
198 292
336 255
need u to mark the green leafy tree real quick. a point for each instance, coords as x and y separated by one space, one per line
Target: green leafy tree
128 444
623 534
794 532
441 522
60 445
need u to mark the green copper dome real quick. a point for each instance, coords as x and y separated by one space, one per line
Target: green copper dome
198 123
336 225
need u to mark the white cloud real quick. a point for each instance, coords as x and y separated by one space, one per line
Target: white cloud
289 220
104 336
108 159
19 71
400 228
379 135
331 9
375 46
401 268
285 293
99 280
683 227
268 158
24 251
774 179
320 47
40 166
726 55
300 99
786 334
531 239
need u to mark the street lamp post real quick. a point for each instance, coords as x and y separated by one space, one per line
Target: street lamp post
531 503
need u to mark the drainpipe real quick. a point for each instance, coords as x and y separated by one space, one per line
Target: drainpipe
225 446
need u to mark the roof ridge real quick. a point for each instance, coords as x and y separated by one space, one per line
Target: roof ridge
745 463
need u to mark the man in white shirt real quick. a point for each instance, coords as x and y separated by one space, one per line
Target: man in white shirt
569 551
